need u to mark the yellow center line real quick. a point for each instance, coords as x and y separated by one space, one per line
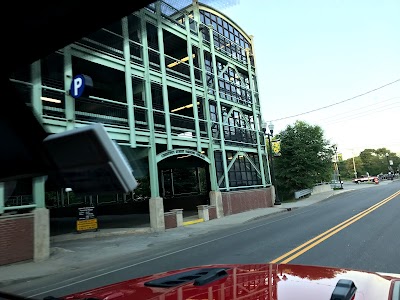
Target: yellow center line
325 235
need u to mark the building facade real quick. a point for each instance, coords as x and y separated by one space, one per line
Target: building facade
177 89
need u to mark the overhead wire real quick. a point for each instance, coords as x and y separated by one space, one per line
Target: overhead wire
351 112
360 115
336 103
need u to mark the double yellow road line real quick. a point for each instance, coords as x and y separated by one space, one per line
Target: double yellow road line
287 257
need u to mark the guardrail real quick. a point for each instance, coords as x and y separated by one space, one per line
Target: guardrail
302 193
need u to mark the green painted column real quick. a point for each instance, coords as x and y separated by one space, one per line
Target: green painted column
2 197
68 99
128 82
220 120
153 171
38 191
193 82
163 76
256 119
37 90
156 205
212 168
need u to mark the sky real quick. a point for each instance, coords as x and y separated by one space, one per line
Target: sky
315 53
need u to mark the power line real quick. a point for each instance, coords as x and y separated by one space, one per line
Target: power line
360 115
350 113
333 104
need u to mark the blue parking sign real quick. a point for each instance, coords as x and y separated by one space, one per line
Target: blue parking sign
80 85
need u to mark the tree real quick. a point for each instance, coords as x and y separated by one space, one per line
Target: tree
306 158
373 161
347 168
376 162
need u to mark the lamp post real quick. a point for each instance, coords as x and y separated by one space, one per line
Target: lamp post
390 168
269 135
387 158
337 168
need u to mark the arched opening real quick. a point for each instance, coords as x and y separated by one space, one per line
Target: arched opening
184 180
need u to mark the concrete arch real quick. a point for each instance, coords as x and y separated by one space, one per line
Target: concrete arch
181 151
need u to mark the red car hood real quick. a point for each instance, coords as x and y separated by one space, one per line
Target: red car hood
256 281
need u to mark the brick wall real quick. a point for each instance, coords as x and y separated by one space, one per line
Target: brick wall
170 220
212 212
239 201
16 238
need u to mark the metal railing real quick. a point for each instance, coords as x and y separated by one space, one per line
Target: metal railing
177 68
95 109
24 89
154 59
53 102
104 41
159 121
239 135
17 201
182 125
136 52
140 113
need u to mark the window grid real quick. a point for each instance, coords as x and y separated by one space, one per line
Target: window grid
229 39
242 172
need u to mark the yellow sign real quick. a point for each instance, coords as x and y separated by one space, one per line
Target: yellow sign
276 147
90 224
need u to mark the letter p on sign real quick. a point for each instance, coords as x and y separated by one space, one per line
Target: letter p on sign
77 85
80 84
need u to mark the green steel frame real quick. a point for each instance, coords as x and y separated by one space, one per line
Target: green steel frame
136 137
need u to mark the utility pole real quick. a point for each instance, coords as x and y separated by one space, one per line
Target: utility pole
354 166
337 168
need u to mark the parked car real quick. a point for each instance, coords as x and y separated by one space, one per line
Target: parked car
366 178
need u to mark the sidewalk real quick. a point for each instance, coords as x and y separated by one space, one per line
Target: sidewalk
73 251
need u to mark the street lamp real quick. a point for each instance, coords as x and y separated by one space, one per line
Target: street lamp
387 158
337 168
390 163
273 180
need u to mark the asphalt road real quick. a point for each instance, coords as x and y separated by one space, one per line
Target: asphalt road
357 229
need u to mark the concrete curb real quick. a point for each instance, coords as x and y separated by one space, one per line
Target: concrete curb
283 210
100 234
4 283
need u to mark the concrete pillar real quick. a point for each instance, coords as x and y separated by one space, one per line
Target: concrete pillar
179 216
216 200
203 212
2 197
41 234
157 214
273 195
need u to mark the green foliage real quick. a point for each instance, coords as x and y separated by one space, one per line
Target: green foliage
143 188
373 161
306 158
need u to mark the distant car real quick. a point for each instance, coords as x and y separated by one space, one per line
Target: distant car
390 176
366 178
